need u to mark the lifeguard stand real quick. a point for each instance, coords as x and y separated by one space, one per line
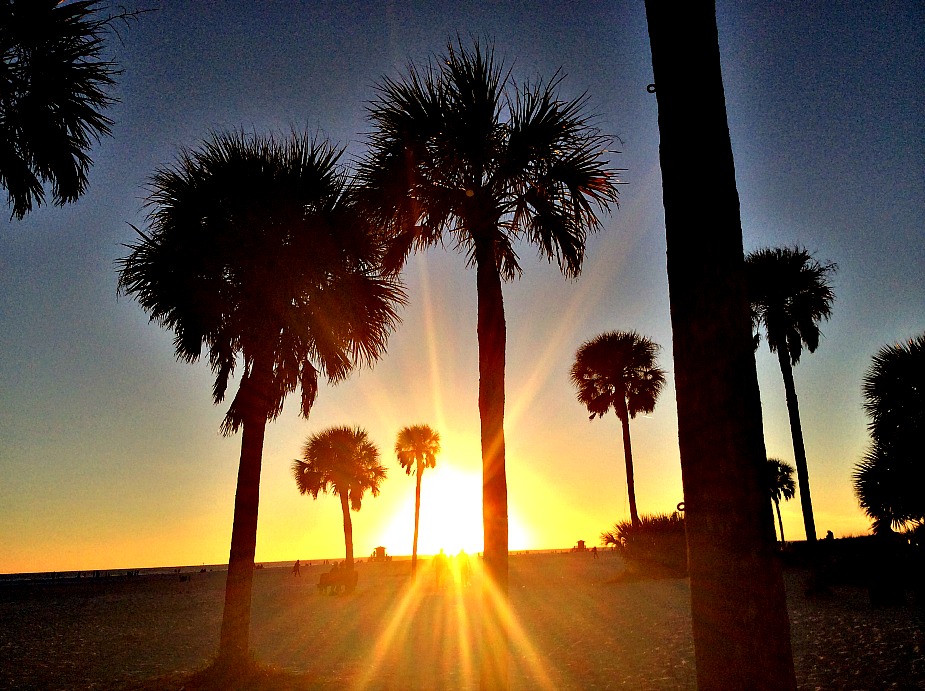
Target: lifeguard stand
379 555
580 547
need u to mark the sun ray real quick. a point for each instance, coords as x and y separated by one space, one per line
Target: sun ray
430 333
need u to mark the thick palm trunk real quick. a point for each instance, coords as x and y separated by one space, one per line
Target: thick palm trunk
417 519
492 337
234 639
739 617
348 530
628 458
799 450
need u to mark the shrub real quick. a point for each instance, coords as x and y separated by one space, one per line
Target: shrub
658 545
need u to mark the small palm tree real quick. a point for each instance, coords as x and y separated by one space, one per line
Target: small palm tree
617 370
54 87
790 294
253 255
417 447
345 462
780 486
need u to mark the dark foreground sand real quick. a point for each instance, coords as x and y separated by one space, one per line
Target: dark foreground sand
575 628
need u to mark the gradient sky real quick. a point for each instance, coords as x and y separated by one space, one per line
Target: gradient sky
110 452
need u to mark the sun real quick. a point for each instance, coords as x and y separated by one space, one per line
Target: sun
451 516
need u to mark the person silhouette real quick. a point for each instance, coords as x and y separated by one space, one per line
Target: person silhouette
462 563
441 565
297 568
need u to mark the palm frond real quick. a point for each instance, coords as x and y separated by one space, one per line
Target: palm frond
416 448
460 152
254 252
55 87
790 293
617 370
341 460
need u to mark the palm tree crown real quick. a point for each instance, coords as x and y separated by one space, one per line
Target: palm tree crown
253 252
341 460
894 391
417 447
790 294
780 480
617 370
53 90
460 149
780 485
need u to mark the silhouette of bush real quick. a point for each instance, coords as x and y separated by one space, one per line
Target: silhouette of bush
657 546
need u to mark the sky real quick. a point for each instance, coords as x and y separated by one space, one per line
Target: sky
110 450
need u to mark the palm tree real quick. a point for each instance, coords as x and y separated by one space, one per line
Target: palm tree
780 486
345 462
739 617
617 370
54 87
461 152
417 447
889 480
252 254
789 292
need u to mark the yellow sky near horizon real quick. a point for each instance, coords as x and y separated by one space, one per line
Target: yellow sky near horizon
566 474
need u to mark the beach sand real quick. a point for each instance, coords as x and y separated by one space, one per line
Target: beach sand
576 626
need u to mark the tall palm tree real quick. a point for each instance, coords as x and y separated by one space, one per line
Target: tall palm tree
617 370
739 617
789 292
459 152
417 447
345 462
890 478
54 87
253 254
780 485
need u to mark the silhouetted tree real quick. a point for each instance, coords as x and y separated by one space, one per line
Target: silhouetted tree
417 447
654 546
54 87
461 152
738 609
252 253
789 292
617 370
345 462
780 486
890 480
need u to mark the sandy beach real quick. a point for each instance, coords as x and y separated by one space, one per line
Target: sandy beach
576 626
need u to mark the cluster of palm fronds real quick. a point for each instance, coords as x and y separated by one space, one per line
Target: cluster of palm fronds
889 479
656 543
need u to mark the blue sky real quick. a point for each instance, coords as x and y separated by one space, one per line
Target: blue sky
110 454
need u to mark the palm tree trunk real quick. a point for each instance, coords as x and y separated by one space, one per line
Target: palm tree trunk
799 450
739 617
628 457
780 523
234 639
417 518
348 530
492 335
